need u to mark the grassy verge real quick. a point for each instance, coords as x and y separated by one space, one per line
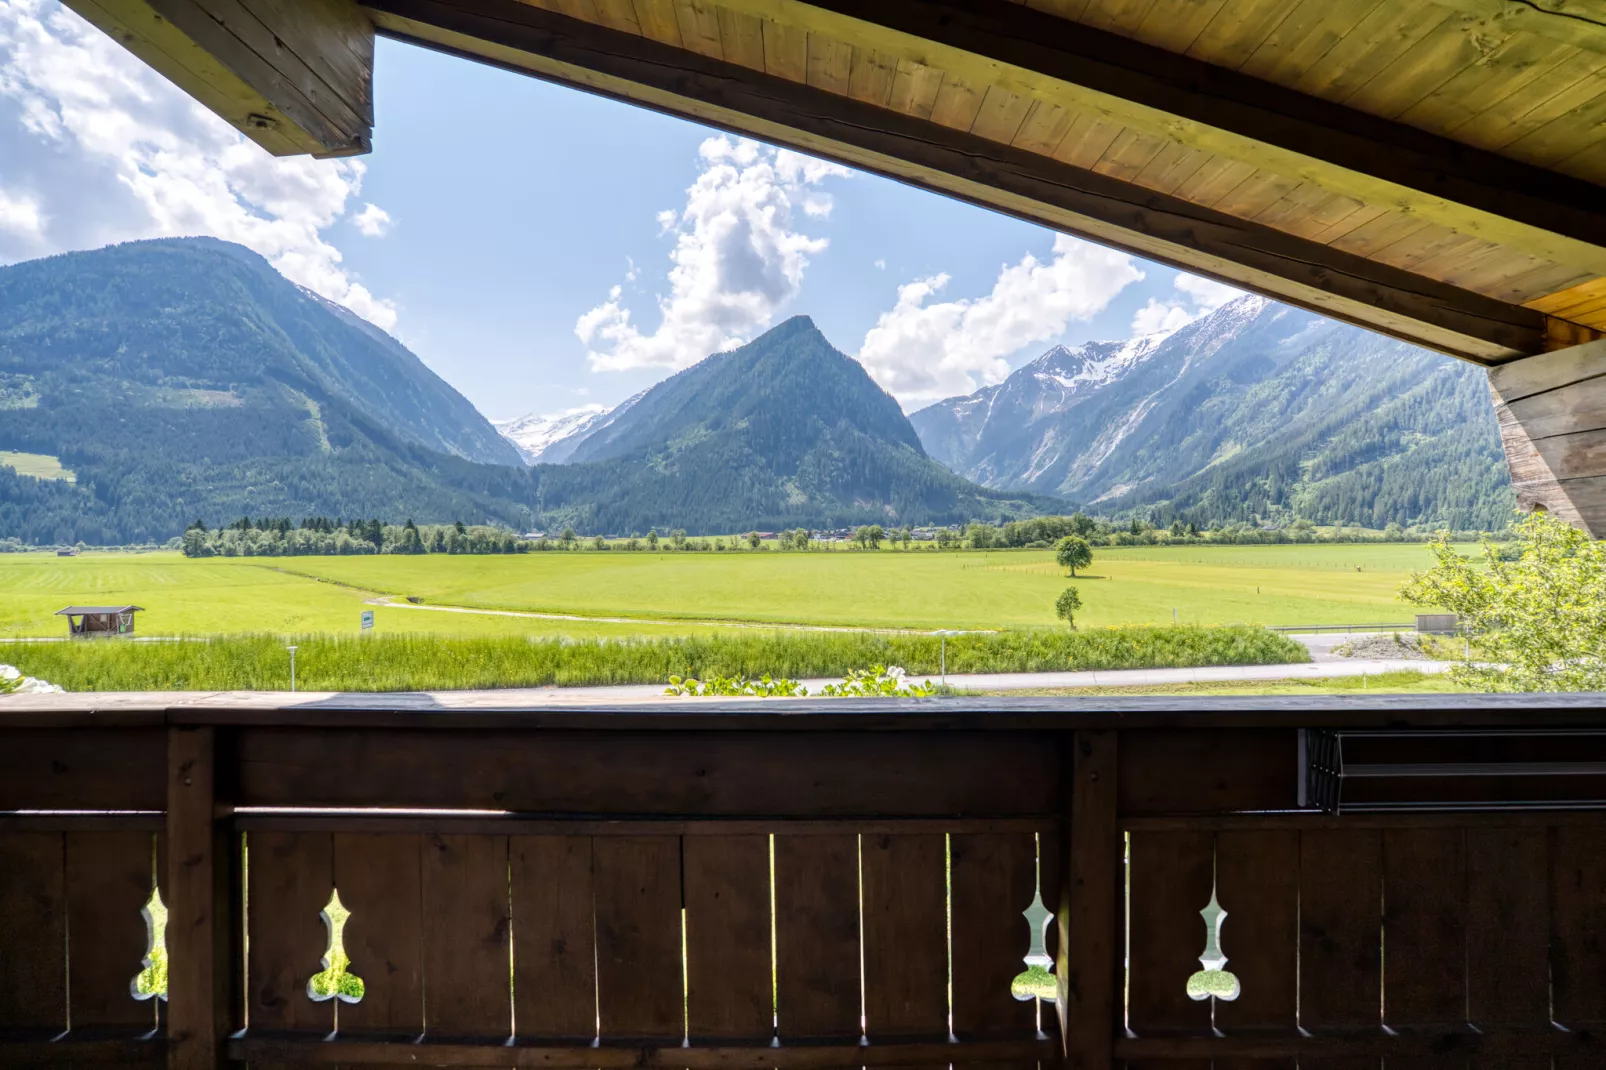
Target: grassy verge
429 663
1407 682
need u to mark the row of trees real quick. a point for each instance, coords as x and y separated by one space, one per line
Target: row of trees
322 536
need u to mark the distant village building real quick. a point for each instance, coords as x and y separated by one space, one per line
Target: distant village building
99 622
67 552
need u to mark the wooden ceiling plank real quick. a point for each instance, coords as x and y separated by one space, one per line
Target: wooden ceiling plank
1384 35
959 164
1471 262
1454 45
1175 25
1299 209
1237 30
978 44
1000 116
1175 164
1216 178
958 101
914 89
1385 230
618 15
1569 84
1579 23
1509 70
742 37
872 77
1525 286
786 51
699 27
1563 136
1313 29
1086 141
1573 298
1118 16
1129 154
1425 245
1347 223
830 63
1254 194
1060 9
658 21
1044 128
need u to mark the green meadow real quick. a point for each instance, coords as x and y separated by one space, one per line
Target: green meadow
656 594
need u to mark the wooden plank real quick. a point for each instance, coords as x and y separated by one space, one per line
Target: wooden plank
381 883
291 877
83 769
640 986
699 27
1508 933
905 937
817 936
914 89
33 933
742 37
554 937
1090 921
786 51
658 21
872 77
1257 883
1578 924
109 880
706 774
830 63
1424 927
1000 115
467 948
1170 877
1208 771
1340 921
202 881
729 980
993 880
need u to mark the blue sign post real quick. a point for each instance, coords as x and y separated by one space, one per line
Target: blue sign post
367 620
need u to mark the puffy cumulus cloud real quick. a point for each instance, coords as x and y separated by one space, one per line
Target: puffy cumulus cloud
1194 297
737 258
143 160
373 221
21 215
922 350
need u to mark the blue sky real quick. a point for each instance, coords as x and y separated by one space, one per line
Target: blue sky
497 215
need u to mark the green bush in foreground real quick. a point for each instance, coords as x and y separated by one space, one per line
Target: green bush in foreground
440 663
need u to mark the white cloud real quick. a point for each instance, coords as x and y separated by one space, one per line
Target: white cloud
737 258
1195 297
143 160
373 221
922 351
880 264
21 215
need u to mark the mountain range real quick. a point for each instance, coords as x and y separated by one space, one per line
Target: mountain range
1254 411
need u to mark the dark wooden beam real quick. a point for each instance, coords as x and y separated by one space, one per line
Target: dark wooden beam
1552 414
296 78
1023 184
1379 161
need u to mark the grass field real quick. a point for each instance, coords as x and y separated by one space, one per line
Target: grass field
697 593
38 465
1391 683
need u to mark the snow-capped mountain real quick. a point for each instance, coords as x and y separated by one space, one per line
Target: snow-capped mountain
1253 406
553 438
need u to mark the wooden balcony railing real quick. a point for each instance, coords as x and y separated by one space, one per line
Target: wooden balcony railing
808 885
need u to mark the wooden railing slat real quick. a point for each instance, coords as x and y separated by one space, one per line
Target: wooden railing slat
1340 922
993 880
1257 882
905 938
729 991
109 881
33 934
817 936
381 882
467 950
1578 919
640 986
554 937
291 876
1170 880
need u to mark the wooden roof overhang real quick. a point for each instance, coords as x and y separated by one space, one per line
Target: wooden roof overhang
1431 170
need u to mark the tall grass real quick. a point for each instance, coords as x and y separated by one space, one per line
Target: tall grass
439 663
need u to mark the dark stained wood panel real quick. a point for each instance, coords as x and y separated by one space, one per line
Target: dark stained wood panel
554 937
993 878
467 951
1184 771
905 938
817 936
729 981
1257 883
1170 875
640 985
83 769
33 932
1508 929
109 880
1424 927
291 877
1578 924
380 879
1340 922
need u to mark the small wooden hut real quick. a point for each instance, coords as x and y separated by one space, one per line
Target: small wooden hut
99 622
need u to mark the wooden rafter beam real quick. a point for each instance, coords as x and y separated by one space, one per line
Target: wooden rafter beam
1023 184
1471 191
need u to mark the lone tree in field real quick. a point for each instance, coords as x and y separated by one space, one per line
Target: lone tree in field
1073 553
1066 605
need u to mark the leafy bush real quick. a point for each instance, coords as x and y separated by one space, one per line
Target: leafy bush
728 686
879 682
430 663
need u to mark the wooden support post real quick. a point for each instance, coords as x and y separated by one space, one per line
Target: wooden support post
201 885
1552 413
1089 914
